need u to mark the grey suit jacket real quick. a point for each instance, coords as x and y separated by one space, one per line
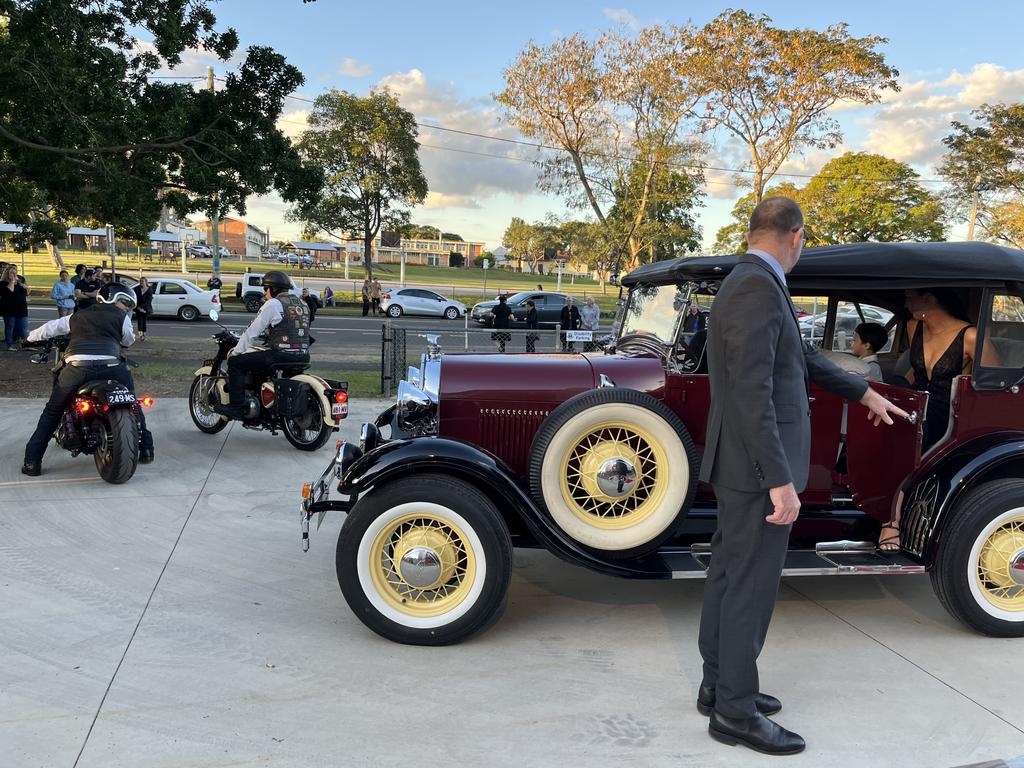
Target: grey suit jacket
759 430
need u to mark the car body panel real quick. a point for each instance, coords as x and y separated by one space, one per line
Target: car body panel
420 301
171 294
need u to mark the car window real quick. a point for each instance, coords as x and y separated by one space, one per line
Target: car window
849 315
539 299
1005 331
172 288
433 296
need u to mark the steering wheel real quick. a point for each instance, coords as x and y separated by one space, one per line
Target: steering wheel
685 356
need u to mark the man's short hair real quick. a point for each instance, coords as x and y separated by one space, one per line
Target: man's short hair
872 334
776 215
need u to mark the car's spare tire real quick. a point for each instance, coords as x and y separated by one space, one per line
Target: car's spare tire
615 469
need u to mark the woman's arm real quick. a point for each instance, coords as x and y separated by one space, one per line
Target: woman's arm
989 355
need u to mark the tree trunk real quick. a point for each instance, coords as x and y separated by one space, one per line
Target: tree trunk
758 185
55 257
368 255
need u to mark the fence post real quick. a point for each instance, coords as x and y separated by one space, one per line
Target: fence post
467 332
558 337
383 358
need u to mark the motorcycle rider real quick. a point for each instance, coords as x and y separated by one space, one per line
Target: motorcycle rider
278 334
97 334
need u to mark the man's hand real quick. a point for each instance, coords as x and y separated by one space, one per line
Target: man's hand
879 408
787 505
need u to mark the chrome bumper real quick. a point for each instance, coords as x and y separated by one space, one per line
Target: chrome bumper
316 495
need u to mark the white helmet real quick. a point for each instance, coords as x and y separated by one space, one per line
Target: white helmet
111 293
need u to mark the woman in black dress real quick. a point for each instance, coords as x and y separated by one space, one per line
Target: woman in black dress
144 305
502 319
532 323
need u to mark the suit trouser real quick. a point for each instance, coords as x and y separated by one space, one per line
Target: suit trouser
747 555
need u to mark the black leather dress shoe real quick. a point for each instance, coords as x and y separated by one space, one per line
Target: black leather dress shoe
146 456
766 705
758 733
32 468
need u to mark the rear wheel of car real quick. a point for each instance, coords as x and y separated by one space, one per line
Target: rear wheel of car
188 313
615 469
394 311
452 313
425 560
978 573
253 302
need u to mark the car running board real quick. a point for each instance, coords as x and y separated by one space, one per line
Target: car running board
831 558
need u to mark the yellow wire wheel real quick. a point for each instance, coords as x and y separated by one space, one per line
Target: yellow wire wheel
613 469
999 567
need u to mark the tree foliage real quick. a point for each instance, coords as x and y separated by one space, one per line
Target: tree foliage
771 88
990 153
858 197
368 153
86 131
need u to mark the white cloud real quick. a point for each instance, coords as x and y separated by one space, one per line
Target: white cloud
293 123
622 16
352 68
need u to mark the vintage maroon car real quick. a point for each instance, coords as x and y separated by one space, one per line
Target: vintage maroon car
595 457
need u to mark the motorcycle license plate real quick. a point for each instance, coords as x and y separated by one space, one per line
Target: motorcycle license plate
339 409
116 398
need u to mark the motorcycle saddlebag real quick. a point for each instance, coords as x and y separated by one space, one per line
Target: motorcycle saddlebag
291 397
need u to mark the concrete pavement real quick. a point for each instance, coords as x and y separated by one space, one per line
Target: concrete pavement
174 621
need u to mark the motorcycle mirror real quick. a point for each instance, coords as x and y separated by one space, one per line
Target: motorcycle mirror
214 314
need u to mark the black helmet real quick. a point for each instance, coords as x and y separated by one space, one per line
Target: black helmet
111 293
277 281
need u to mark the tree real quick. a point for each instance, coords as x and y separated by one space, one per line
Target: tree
367 150
87 131
991 151
772 88
524 243
616 108
412 231
1006 224
732 237
861 197
590 243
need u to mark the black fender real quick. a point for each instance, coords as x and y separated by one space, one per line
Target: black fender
935 490
489 475
102 390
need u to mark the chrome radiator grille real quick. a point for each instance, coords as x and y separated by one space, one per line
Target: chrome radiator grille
508 433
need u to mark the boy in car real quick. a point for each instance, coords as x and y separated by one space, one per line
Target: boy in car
868 341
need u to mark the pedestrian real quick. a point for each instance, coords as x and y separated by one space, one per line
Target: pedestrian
531 324
13 306
79 271
328 297
694 321
143 306
214 283
590 320
86 290
757 459
312 303
502 320
63 294
375 296
570 321
366 297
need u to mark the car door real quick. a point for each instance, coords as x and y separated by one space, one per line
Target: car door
172 298
433 303
552 314
520 310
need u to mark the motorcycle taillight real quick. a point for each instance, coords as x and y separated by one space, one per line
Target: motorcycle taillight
83 406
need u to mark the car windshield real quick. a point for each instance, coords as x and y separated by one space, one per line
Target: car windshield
518 298
653 310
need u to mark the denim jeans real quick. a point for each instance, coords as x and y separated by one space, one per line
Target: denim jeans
15 327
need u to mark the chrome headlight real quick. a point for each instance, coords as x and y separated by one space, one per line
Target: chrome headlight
414 406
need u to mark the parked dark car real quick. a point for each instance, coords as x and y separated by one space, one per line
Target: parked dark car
549 307
596 457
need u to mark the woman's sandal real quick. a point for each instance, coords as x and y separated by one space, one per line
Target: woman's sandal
890 543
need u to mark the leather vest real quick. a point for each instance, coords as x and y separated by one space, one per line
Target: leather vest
292 333
96 330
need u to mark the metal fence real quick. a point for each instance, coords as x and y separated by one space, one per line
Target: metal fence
402 346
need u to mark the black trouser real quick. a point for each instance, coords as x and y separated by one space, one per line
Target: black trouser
366 306
65 385
531 342
254 362
375 303
747 555
141 318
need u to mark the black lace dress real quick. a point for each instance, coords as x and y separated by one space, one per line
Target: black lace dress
939 387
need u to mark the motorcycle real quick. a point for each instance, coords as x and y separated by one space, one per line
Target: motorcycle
306 408
102 419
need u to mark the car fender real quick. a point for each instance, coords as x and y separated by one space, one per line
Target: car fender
488 474
942 482
320 386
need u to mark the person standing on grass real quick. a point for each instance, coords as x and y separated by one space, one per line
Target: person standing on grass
144 305
86 290
375 296
328 297
366 297
214 283
63 294
79 271
312 303
13 306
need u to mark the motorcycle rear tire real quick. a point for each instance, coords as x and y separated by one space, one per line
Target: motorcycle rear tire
313 414
117 460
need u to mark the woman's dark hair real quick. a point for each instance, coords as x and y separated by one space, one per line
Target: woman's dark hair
502 298
873 335
79 269
951 300
530 304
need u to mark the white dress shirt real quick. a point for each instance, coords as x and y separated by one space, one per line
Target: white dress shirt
270 314
768 259
62 327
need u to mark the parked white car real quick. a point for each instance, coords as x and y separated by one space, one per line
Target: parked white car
250 291
420 301
182 299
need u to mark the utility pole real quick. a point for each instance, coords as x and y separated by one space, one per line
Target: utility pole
974 207
214 218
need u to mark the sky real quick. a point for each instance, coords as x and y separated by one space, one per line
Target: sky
445 59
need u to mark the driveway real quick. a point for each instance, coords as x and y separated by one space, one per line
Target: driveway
175 621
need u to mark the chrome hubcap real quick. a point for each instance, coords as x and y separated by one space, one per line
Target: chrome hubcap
616 477
420 567
1017 568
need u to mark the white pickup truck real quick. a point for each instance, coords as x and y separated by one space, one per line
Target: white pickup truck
250 291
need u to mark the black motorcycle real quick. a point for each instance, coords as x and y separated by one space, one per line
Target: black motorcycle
102 419
306 408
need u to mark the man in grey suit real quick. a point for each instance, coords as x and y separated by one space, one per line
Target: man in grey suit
756 457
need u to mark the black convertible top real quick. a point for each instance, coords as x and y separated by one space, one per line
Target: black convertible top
862 266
